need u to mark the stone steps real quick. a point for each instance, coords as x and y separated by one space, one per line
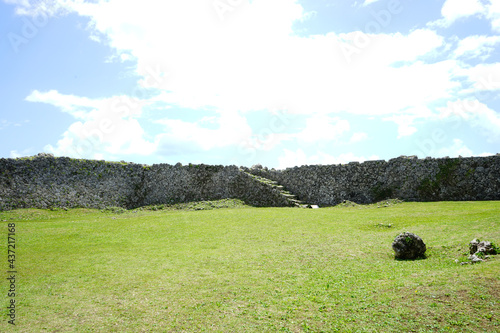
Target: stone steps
289 197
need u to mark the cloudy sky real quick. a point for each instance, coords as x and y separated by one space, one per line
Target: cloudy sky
275 82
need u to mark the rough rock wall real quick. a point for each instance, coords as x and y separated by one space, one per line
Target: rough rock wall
44 182
164 183
407 178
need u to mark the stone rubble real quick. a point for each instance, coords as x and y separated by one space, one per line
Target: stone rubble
479 251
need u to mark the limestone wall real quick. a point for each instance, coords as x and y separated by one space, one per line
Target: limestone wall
407 178
164 183
44 181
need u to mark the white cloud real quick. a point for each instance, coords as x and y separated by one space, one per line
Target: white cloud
90 140
23 153
386 49
406 120
41 9
233 63
486 154
359 137
233 129
458 148
78 107
406 130
292 158
453 10
104 125
484 77
477 115
323 129
404 123
236 64
477 47
493 14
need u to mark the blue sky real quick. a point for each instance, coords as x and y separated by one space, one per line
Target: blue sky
282 83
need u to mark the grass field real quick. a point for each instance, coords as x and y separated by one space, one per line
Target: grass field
246 269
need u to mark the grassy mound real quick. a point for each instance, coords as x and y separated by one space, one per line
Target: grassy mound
199 205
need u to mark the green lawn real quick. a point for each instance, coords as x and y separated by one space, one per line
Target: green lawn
246 269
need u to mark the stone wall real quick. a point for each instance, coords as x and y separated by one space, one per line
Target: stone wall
44 182
164 183
407 178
